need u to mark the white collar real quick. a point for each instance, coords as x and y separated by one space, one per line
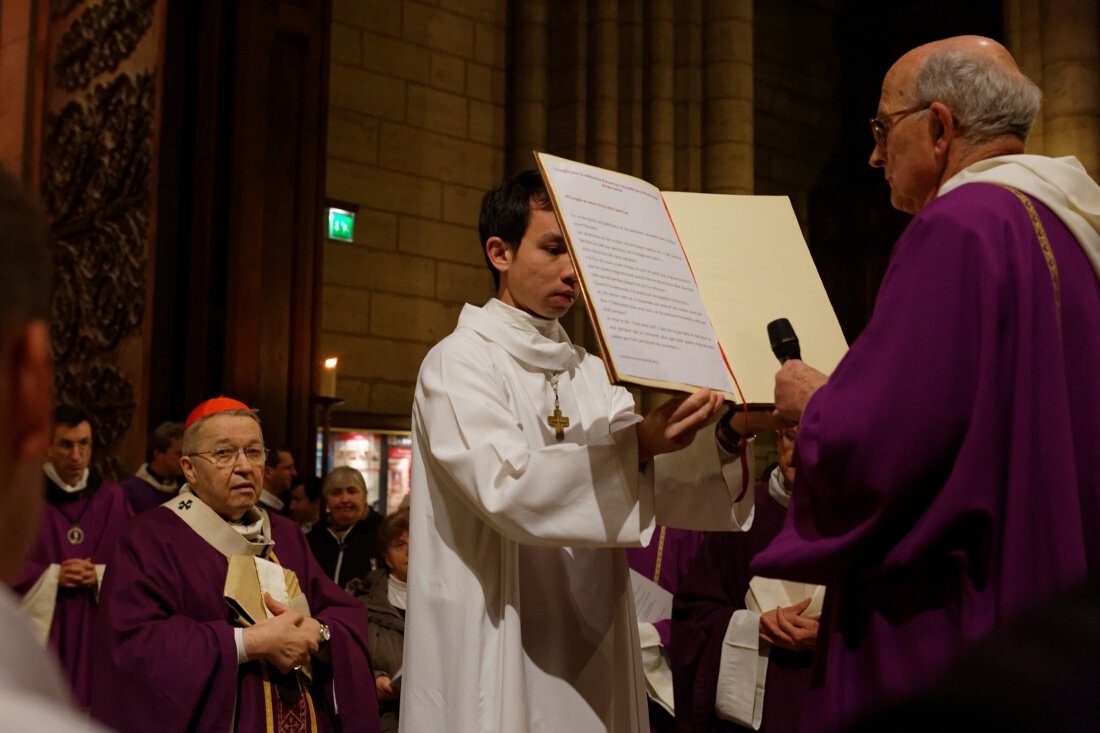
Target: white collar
540 343
1059 183
778 489
165 487
51 473
271 501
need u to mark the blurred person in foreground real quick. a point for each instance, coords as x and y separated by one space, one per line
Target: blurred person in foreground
948 473
33 694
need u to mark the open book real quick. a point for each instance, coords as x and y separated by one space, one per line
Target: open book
680 287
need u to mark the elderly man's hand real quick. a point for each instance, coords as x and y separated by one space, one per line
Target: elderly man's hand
285 640
77 572
795 384
673 425
785 628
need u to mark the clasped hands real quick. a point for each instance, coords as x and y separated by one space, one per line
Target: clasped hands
77 572
788 629
286 640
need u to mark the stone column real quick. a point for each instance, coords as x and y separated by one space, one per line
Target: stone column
727 97
1058 45
603 136
660 150
689 95
529 91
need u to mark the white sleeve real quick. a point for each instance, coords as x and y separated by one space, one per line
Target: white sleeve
563 494
238 639
742 671
703 487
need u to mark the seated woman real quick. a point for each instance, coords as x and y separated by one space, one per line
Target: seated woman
346 543
383 593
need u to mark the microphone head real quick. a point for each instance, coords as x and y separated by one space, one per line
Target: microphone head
783 340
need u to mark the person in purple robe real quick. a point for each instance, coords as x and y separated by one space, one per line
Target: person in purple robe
214 614
710 594
948 473
666 561
79 528
158 479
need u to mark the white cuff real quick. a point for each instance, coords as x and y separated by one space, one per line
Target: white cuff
742 671
238 639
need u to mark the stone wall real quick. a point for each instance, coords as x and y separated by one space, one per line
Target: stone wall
416 135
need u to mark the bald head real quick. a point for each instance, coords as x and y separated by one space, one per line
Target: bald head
977 47
948 104
977 79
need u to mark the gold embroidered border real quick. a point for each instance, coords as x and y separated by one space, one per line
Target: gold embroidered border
1048 254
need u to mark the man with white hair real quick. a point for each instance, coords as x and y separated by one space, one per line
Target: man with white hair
214 614
948 472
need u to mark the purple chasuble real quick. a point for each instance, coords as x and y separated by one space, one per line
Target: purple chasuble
948 473
142 496
675 555
101 513
708 597
165 659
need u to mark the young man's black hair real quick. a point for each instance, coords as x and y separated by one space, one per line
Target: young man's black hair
506 211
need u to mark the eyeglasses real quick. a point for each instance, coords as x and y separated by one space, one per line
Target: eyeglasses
226 457
880 129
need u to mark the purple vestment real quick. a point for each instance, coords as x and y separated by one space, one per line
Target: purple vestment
948 473
101 513
707 599
143 496
677 553
165 655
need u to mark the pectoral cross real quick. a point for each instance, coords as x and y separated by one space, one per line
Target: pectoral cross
557 421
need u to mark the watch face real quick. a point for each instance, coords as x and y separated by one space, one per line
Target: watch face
325 633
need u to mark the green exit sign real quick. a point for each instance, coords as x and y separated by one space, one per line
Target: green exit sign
341 224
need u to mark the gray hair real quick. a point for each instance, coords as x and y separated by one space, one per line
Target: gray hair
341 475
987 100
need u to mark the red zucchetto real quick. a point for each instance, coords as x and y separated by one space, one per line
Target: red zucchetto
214 406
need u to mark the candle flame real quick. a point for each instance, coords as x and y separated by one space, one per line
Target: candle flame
330 363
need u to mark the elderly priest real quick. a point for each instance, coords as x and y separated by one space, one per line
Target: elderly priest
215 616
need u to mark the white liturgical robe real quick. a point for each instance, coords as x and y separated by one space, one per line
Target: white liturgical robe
520 615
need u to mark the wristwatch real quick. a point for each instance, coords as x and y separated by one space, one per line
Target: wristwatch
326 633
727 437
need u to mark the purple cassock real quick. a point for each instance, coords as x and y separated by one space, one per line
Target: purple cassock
708 597
949 472
95 516
165 657
669 559
142 496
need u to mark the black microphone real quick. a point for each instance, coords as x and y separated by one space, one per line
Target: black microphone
784 342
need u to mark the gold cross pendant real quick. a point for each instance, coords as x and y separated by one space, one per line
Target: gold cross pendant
559 422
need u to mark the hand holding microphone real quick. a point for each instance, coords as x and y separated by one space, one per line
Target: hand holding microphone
795 382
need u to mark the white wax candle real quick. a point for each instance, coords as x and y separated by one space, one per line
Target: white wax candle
328 378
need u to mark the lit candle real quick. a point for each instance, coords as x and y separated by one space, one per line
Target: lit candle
328 378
